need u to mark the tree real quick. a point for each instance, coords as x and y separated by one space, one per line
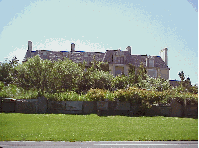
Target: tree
29 74
131 75
65 75
7 70
120 82
158 84
48 76
182 77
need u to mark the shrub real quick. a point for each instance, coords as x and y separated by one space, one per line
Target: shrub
102 80
94 79
193 89
12 91
120 82
122 95
154 84
1 85
97 95
110 96
64 96
131 94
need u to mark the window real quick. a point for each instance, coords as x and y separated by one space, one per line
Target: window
44 53
152 73
122 60
151 62
118 59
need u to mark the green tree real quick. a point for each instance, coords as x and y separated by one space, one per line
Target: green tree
158 84
7 70
65 75
141 73
131 75
29 74
120 82
102 79
182 77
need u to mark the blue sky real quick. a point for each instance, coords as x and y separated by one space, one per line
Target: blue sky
99 25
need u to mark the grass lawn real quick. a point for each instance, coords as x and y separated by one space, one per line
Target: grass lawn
63 127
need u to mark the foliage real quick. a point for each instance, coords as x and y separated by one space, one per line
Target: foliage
193 89
136 75
12 91
102 79
1 85
45 75
84 82
154 84
120 82
29 74
141 73
179 94
98 95
132 95
64 96
65 75
104 66
94 79
7 71
181 75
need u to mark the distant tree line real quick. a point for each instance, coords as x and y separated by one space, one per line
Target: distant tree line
66 75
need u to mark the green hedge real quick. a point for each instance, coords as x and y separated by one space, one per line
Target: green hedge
132 94
66 96
99 95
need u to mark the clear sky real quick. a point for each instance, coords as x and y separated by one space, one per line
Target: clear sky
99 25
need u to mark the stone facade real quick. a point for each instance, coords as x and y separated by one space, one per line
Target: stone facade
118 60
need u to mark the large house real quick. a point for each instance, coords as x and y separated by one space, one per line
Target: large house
157 66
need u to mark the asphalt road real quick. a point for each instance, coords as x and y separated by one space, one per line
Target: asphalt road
100 144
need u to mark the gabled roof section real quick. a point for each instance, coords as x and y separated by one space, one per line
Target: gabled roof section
136 60
108 56
158 62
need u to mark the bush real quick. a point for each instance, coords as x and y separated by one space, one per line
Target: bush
98 95
154 84
1 85
64 96
122 95
94 79
12 91
193 89
120 82
131 94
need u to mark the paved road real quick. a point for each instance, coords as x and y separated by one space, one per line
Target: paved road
101 144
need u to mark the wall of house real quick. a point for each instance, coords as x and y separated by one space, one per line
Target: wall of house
152 72
116 69
119 70
164 73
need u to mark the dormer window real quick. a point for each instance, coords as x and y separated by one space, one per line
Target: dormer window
151 62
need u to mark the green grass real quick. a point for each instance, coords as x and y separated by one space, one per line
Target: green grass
63 127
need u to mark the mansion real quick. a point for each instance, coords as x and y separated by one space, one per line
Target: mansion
156 66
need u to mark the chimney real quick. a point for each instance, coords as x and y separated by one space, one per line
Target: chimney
163 55
128 49
72 47
29 46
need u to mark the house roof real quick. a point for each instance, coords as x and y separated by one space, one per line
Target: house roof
78 57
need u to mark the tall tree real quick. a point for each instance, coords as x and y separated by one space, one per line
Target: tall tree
7 70
181 75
